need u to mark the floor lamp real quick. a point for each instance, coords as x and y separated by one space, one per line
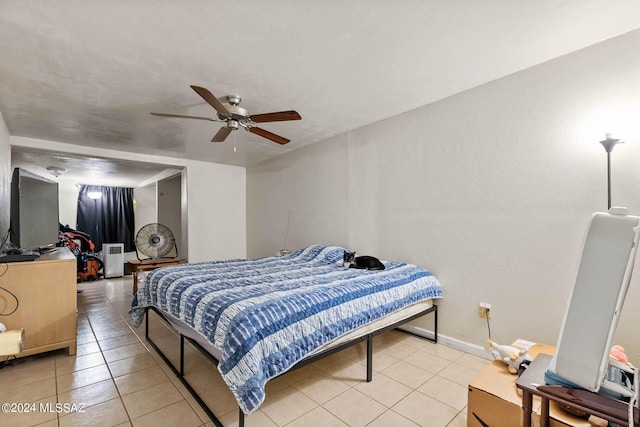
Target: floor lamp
608 145
95 196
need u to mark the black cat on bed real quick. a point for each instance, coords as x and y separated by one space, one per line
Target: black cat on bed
363 262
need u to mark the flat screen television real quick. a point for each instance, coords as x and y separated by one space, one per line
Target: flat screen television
34 211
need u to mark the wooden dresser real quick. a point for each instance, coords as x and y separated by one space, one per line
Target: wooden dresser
47 301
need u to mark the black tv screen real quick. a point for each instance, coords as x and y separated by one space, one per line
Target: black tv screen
34 211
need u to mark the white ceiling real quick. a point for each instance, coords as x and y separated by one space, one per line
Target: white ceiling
89 72
90 170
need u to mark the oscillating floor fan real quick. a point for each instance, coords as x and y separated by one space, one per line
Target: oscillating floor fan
155 241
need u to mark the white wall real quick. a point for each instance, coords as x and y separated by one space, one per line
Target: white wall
490 189
216 213
146 209
169 213
67 202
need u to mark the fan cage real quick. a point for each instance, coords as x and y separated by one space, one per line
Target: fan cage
155 241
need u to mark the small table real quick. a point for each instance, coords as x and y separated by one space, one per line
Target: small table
149 264
532 384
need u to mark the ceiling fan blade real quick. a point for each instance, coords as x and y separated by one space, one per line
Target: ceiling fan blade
221 135
183 117
269 135
212 100
280 116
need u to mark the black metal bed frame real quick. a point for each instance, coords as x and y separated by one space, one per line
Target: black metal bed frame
179 372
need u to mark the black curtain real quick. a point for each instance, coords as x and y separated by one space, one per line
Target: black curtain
106 214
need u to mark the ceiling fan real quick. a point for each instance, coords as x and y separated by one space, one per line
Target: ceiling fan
235 117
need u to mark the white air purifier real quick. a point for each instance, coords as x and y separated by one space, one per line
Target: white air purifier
113 259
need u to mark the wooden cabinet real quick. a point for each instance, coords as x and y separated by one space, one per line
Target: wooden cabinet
47 301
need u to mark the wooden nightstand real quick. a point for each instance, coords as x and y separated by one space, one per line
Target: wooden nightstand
150 264
532 384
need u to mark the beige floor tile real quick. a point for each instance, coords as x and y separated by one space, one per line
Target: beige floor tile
445 391
29 370
195 361
316 418
442 351
474 362
36 412
355 408
398 350
286 405
88 348
382 361
411 340
140 380
113 332
82 378
177 414
391 419
124 352
84 328
91 394
321 387
459 374
204 418
384 389
219 399
257 419
68 364
212 389
104 318
151 399
51 423
28 392
296 375
85 338
119 341
352 374
425 411
407 374
337 362
427 361
106 414
129 365
178 384
459 421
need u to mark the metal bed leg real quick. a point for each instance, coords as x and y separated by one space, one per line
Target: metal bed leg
369 358
146 323
181 355
435 325
240 418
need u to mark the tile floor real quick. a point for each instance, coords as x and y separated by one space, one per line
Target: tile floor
116 379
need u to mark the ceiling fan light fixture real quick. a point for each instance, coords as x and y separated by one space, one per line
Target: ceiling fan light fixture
56 170
233 124
233 99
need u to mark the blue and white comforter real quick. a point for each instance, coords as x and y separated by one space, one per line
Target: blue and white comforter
266 314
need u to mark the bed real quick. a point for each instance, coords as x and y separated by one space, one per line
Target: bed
257 319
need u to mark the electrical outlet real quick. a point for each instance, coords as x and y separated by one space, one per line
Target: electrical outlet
484 310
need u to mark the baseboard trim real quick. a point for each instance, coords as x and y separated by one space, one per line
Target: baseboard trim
467 347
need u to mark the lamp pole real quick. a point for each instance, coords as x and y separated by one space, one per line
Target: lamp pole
608 145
